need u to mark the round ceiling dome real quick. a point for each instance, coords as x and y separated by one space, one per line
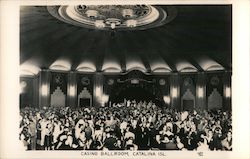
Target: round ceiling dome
109 17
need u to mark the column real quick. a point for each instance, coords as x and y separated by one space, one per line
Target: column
227 91
98 89
36 91
201 91
44 88
175 91
72 90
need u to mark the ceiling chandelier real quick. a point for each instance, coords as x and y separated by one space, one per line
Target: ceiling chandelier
110 17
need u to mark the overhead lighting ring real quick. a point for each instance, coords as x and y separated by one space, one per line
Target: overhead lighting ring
110 17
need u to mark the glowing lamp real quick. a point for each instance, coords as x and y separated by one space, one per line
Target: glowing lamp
105 98
23 84
44 90
91 13
228 92
174 92
98 92
131 23
99 24
166 99
127 13
200 92
71 91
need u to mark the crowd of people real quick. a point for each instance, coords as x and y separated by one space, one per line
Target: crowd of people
125 126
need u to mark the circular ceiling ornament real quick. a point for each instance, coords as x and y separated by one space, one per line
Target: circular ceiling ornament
188 82
162 82
215 81
110 17
85 81
58 79
110 82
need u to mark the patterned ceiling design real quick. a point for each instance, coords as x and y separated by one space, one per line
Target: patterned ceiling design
108 17
197 38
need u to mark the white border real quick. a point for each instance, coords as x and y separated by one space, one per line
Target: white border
9 81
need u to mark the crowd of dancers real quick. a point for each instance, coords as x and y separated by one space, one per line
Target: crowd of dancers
125 126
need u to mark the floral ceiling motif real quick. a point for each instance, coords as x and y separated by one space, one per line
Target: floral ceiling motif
110 17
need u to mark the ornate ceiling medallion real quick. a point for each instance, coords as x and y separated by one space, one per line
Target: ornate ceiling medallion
110 17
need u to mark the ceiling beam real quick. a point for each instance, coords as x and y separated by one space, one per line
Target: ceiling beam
195 64
145 62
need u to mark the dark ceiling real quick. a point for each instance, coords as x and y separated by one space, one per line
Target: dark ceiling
195 32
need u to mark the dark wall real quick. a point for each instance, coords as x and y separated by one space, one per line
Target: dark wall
58 79
84 80
215 81
162 83
188 82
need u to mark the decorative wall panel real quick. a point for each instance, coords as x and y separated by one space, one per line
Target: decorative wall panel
84 82
58 98
58 79
215 100
215 90
84 95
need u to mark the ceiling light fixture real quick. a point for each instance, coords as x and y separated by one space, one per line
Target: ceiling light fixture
110 17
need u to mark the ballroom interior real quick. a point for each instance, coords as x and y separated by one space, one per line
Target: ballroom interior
178 56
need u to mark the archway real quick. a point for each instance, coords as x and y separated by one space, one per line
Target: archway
137 93
135 85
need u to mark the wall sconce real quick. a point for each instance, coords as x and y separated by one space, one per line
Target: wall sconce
174 92
99 24
200 92
71 91
23 85
105 99
98 92
166 99
228 92
44 90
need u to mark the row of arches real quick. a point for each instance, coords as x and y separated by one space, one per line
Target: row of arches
155 64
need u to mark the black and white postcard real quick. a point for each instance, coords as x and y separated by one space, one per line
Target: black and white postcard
132 80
